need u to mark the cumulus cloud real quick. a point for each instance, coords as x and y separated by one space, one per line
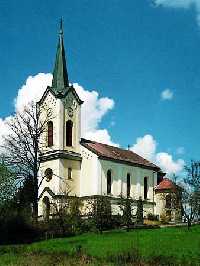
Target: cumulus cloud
93 109
32 90
181 4
166 162
147 147
167 95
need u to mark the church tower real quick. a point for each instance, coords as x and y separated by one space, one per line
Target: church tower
60 159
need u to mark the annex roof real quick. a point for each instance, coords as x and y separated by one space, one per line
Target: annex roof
166 184
108 152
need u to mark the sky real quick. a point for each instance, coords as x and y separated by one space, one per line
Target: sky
134 63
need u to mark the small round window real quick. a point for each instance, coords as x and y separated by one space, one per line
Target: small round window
48 174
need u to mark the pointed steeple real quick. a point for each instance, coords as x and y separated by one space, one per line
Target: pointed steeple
60 75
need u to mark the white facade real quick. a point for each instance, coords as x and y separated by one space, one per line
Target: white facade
88 171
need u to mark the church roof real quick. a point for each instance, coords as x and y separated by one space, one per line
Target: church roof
166 184
108 152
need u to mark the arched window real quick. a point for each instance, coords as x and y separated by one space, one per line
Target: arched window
48 174
69 173
109 181
69 126
50 133
145 187
46 208
128 183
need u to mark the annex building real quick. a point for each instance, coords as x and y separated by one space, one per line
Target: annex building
87 168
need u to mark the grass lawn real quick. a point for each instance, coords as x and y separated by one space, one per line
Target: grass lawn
167 245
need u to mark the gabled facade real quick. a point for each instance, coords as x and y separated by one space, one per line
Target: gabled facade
82 167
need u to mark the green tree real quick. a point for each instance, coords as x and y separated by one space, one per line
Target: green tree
8 187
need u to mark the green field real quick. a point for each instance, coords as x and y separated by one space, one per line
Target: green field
167 246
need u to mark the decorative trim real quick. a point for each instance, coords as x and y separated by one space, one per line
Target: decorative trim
60 154
48 190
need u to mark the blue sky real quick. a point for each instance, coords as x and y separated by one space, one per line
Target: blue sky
128 51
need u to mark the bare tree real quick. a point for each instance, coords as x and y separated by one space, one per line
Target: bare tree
24 143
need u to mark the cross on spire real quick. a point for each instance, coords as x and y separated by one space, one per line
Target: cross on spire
60 76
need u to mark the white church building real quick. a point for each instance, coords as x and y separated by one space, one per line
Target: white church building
87 167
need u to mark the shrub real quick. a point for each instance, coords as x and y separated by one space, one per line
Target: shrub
152 217
164 218
15 229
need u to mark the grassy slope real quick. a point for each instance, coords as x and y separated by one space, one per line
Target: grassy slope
177 242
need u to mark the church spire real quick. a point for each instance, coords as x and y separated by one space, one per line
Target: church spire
60 75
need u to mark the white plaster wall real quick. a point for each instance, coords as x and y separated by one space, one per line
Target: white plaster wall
90 173
119 183
160 203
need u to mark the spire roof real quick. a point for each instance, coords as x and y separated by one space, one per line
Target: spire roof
60 75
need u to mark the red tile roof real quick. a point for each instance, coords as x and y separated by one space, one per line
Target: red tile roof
166 184
108 152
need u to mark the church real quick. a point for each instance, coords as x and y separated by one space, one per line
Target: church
84 167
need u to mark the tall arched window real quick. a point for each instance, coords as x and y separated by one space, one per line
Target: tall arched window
50 133
69 173
46 208
128 183
109 181
145 187
69 126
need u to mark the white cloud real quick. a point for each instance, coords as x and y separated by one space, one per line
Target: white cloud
146 147
167 94
32 90
167 164
94 107
181 4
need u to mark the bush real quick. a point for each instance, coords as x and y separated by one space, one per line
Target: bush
152 217
15 229
164 218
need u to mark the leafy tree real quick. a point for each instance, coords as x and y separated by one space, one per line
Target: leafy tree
7 184
139 213
127 208
101 212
